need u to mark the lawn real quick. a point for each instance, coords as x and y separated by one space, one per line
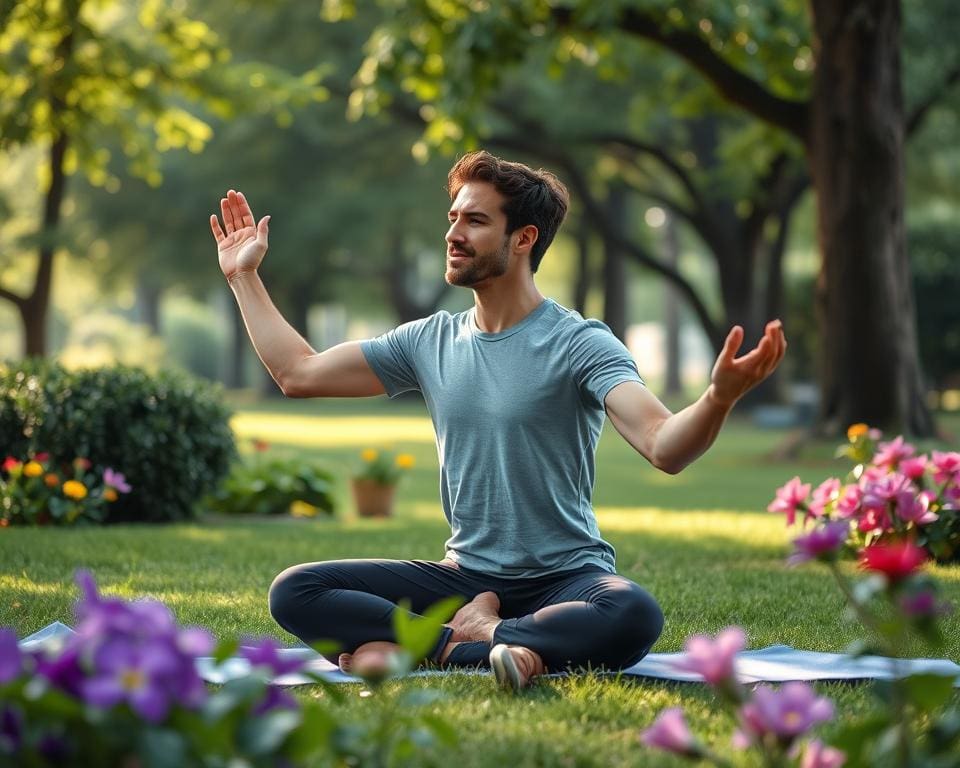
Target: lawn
700 542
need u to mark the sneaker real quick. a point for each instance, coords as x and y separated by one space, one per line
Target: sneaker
515 666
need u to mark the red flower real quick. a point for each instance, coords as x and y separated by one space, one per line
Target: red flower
42 456
10 463
895 561
82 464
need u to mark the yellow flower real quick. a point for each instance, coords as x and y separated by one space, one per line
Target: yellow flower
32 469
74 489
300 508
110 494
370 454
406 461
856 430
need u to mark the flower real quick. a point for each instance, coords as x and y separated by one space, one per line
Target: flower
383 467
891 454
827 492
260 445
819 755
300 508
848 505
785 713
713 659
116 480
82 464
74 489
922 604
914 468
11 465
856 430
369 454
32 469
135 673
915 509
671 733
789 498
946 466
266 652
406 461
895 561
51 480
821 543
11 661
110 494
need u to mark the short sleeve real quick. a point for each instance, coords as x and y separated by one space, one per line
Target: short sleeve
599 361
392 357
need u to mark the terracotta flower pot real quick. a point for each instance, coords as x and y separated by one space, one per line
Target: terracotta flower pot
372 498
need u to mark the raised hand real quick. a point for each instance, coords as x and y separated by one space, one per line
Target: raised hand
733 376
244 245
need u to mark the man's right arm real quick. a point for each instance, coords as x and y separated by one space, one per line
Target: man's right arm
298 369
341 371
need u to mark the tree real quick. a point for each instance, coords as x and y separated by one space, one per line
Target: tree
834 85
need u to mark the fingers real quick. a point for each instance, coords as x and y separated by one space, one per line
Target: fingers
215 226
242 208
732 344
227 215
263 229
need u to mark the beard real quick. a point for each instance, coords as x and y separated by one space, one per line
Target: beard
480 266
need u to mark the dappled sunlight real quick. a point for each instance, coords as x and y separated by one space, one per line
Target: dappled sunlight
740 527
329 431
204 535
31 587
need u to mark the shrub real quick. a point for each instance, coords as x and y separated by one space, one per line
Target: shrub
166 432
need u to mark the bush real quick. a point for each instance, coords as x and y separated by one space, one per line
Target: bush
167 433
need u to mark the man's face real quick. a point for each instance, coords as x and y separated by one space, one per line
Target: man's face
478 247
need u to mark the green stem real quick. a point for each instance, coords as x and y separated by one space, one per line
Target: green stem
866 618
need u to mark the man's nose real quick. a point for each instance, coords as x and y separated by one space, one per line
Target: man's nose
454 235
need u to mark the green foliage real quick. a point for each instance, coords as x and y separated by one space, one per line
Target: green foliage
382 466
261 486
167 433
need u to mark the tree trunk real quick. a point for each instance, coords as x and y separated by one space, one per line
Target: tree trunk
614 266
148 303
581 283
673 385
870 365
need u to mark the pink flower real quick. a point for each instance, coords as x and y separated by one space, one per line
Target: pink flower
116 480
789 498
827 492
914 468
946 466
923 605
786 713
848 505
713 659
821 543
819 755
891 454
896 561
670 732
874 521
877 494
915 509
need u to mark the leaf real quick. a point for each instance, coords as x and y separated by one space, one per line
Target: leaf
265 734
929 691
418 634
855 738
444 732
162 748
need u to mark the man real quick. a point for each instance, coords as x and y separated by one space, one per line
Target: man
518 388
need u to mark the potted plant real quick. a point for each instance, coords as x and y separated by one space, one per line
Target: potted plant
376 481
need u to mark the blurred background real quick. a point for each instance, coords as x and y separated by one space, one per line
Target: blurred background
728 163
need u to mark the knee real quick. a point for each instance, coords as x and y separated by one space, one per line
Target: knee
286 594
637 625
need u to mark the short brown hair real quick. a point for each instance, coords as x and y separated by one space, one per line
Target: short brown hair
532 197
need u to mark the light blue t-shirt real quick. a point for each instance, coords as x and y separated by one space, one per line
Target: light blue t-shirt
517 416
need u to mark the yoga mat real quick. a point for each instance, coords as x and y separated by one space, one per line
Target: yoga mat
775 664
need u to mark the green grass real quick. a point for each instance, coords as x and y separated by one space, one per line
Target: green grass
699 541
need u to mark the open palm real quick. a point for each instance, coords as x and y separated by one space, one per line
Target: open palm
733 376
241 245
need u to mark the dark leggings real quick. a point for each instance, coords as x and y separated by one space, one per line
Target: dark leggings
581 618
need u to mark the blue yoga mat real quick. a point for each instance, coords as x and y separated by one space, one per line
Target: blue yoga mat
776 664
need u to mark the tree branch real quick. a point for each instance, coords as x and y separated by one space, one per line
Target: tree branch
12 297
735 86
916 118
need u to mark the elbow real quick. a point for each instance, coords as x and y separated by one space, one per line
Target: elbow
668 466
290 386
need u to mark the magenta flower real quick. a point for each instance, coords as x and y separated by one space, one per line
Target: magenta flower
713 659
785 713
819 755
891 454
11 661
922 605
878 494
946 467
116 481
874 521
822 543
915 509
789 498
825 494
914 468
670 733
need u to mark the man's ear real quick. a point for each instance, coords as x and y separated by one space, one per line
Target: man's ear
526 237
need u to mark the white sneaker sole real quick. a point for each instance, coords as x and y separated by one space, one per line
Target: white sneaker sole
505 668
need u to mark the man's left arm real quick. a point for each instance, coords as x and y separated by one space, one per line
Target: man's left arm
671 441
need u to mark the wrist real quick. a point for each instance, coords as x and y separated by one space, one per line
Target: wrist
717 400
241 276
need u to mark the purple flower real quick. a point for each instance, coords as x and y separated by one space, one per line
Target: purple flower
891 454
11 730
713 659
878 493
827 492
116 481
922 605
63 670
138 675
785 714
915 509
265 652
819 755
789 498
821 543
11 661
670 732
